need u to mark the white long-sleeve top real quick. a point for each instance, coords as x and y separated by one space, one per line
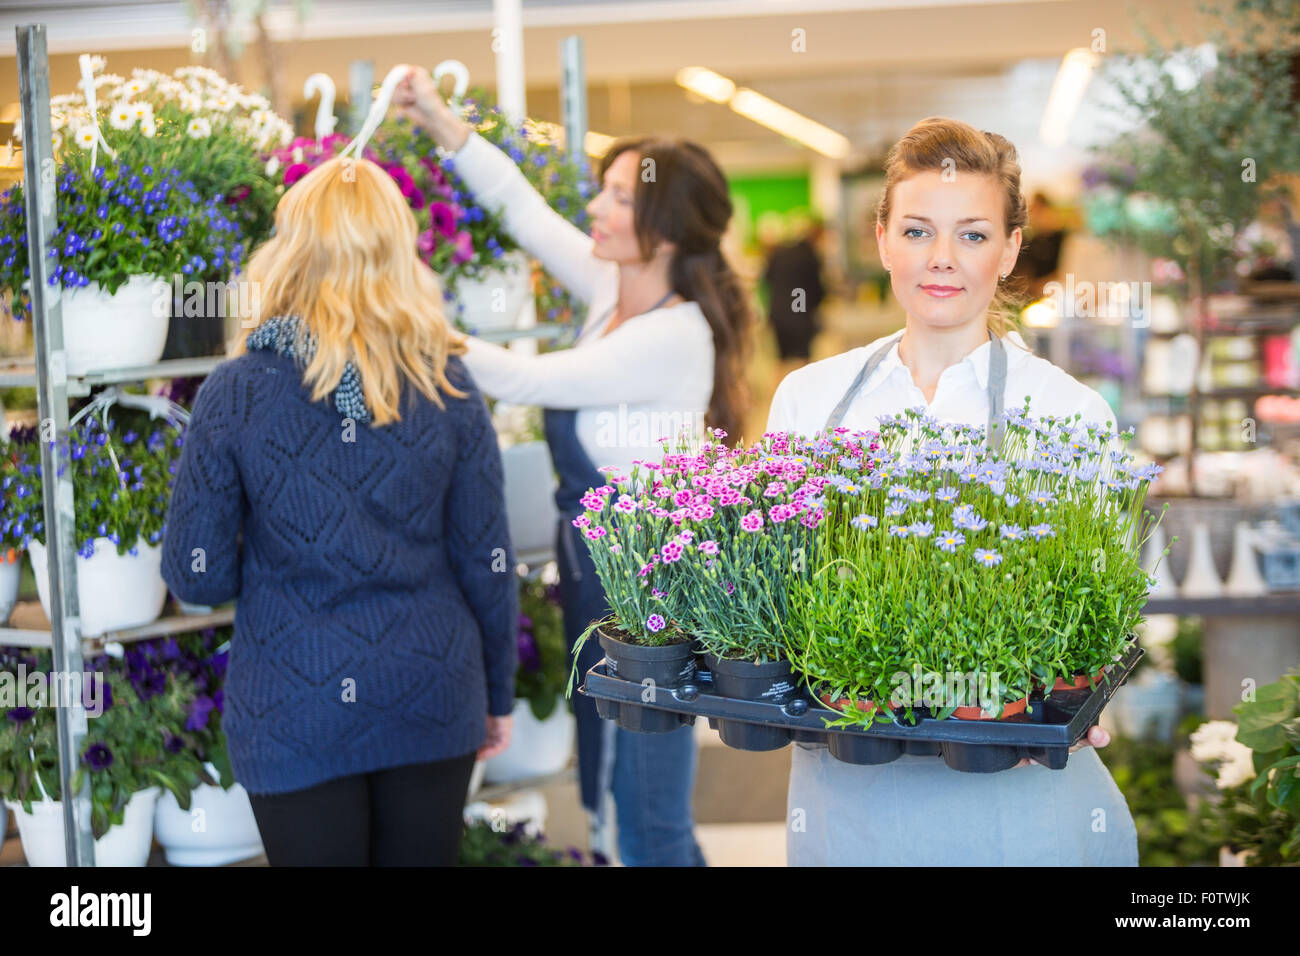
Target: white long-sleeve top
648 378
807 396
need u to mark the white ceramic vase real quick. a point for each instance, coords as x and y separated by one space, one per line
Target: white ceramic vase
537 747
11 575
495 300
1244 578
122 330
1202 578
219 828
126 845
115 591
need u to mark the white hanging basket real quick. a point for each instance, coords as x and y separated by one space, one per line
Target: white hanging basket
219 828
126 845
115 591
537 747
11 574
496 299
122 330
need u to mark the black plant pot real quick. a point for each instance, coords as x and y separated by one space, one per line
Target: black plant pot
197 327
773 682
660 669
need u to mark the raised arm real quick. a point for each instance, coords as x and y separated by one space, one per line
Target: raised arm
499 185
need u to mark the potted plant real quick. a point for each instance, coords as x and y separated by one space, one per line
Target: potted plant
122 480
215 825
542 740
968 574
1257 817
124 229
491 843
215 136
486 275
11 541
131 751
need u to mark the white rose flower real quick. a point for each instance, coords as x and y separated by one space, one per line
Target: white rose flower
199 128
122 116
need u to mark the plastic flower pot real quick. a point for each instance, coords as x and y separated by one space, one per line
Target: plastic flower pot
11 574
530 496
114 591
1079 682
537 747
657 669
773 682
122 330
495 299
976 713
41 832
219 827
857 748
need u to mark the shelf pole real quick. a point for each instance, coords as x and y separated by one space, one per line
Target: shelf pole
39 176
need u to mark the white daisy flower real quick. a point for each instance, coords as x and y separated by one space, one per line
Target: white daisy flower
221 103
122 116
85 137
198 128
147 126
134 87
97 63
189 102
272 166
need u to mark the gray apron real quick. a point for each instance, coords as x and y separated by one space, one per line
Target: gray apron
915 811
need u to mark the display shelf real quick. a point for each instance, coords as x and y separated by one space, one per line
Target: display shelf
21 372
32 628
1281 603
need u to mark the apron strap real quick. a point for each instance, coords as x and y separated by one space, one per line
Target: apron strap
997 384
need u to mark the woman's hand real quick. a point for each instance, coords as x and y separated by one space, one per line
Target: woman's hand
498 736
1096 737
417 98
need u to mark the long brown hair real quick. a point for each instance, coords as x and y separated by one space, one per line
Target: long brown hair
939 144
343 259
681 196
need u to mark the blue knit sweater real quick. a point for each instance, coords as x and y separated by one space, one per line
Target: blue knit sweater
378 606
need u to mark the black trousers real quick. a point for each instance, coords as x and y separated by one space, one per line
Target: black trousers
403 816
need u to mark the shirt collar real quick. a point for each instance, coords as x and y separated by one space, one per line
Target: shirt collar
978 359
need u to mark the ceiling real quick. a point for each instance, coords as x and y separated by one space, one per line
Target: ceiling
869 68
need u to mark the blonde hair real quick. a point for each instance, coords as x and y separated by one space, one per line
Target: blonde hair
939 144
343 259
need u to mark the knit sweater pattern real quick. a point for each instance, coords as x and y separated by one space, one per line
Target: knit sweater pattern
377 612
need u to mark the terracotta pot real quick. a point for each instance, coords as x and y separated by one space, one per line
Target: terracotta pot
1080 682
841 704
976 713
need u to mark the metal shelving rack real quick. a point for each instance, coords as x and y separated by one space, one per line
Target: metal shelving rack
46 371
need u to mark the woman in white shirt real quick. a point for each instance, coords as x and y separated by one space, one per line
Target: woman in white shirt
949 229
663 348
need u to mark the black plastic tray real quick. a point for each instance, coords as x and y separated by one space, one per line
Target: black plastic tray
975 746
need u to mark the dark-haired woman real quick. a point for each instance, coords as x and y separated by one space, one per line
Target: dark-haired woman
663 348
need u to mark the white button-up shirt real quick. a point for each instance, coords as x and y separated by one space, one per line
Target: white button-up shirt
808 395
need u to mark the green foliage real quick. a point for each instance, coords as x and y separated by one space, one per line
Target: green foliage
543 654
1211 152
121 480
1168 834
482 845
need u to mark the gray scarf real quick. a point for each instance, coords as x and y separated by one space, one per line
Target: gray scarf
285 335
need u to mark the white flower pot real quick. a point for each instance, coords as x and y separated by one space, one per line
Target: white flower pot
125 845
530 497
102 331
537 747
495 300
115 591
11 574
1202 578
219 828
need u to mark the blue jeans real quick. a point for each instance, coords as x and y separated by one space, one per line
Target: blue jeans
652 776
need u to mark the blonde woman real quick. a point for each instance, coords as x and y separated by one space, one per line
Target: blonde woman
949 229
374 648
